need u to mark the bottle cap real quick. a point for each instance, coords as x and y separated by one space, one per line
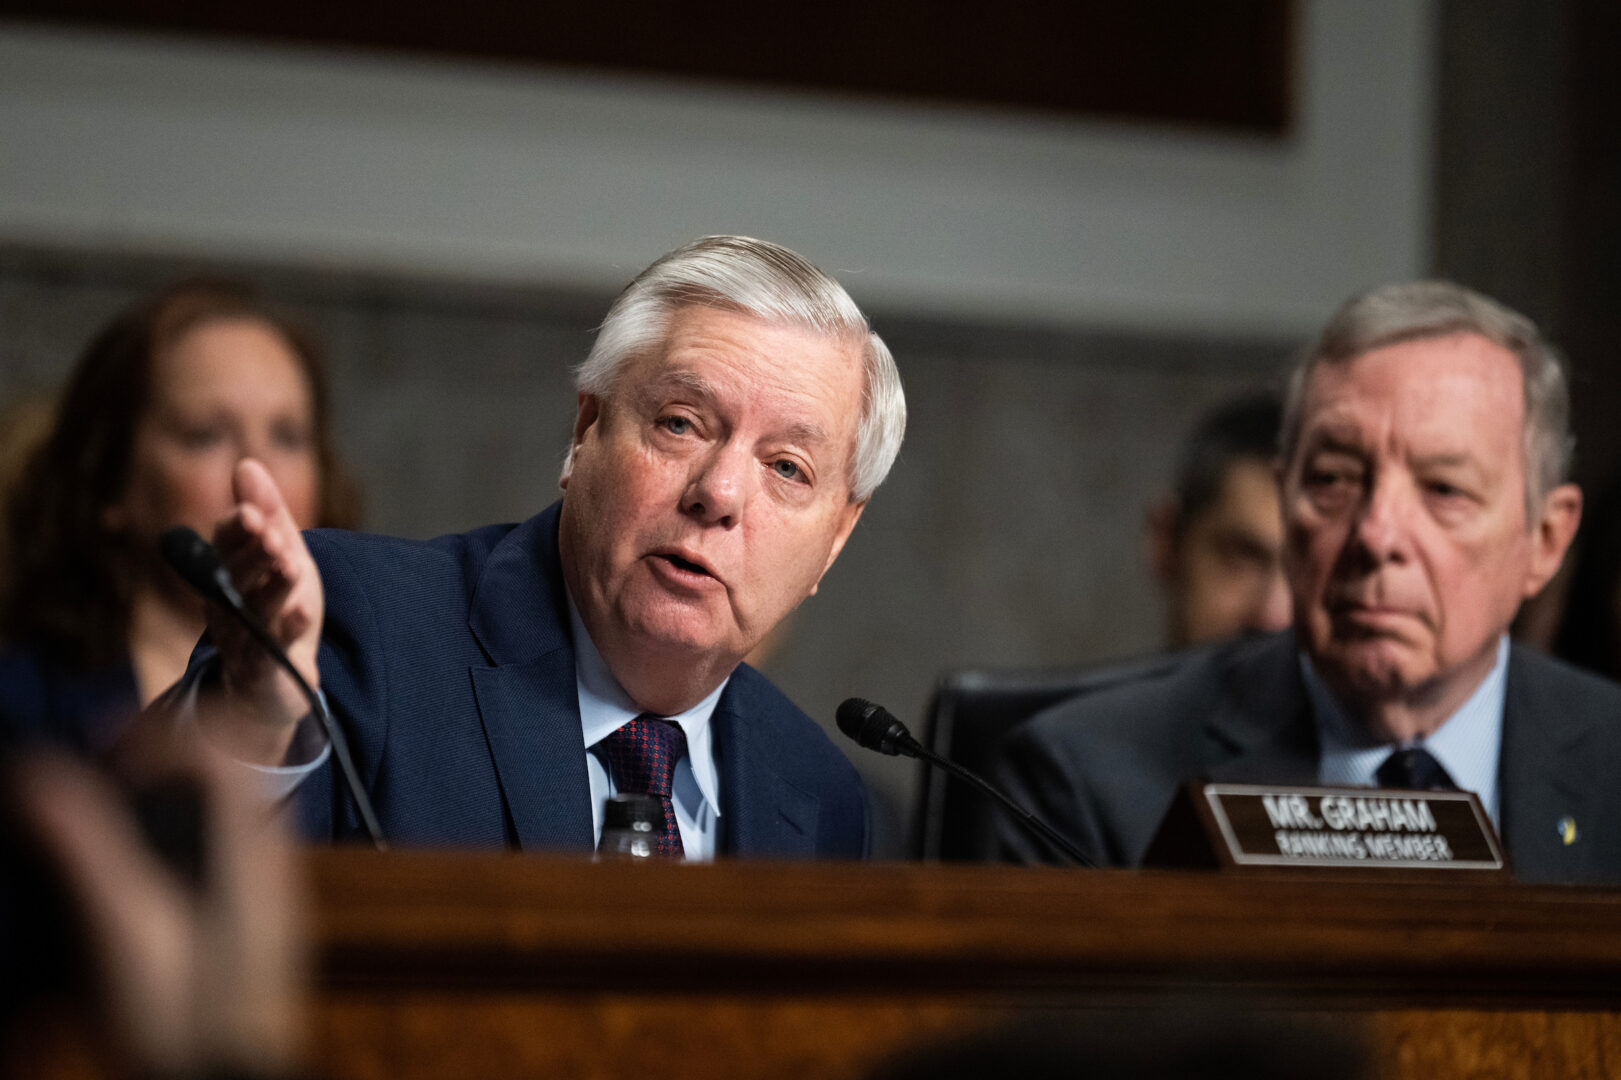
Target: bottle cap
639 813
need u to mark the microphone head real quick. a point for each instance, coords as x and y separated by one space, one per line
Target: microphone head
192 558
852 714
874 727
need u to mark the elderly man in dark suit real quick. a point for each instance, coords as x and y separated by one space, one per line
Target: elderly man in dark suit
1424 450
735 414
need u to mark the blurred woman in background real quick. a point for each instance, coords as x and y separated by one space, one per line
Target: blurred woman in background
158 411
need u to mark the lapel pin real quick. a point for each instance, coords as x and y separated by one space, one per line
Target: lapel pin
1567 830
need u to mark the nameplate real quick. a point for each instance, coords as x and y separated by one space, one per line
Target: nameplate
1362 828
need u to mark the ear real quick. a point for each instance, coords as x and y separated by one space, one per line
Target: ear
848 516
1551 534
589 411
1159 538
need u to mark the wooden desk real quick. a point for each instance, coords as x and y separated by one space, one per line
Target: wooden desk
485 965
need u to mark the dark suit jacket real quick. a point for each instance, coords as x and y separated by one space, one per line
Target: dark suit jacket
450 665
1103 768
43 698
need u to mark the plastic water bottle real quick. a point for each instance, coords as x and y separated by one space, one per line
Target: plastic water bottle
631 825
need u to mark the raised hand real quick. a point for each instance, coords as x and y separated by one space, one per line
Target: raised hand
196 977
262 548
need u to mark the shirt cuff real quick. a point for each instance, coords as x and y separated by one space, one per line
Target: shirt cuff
308 751
310 746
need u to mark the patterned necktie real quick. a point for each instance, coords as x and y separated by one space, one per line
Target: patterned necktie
1415 769
641 757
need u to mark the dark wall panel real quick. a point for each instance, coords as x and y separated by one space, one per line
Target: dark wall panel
1222 65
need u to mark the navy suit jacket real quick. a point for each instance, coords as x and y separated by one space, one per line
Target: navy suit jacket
450 665
45 699
1103 768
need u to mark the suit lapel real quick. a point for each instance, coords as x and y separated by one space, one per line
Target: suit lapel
538 750
1552 765
1545 775
1262 730
527 697
762 813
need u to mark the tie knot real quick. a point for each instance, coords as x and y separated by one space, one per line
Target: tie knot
643 754
1415 769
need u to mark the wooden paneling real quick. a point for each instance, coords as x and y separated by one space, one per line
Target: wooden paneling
626 1034
491 965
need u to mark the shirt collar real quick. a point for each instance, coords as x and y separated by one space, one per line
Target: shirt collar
605 708
1467 744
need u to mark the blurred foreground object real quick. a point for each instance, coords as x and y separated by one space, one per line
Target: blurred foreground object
1189 1039
198 970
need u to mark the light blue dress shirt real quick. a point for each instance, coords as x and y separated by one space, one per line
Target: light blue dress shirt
605 708
1467 744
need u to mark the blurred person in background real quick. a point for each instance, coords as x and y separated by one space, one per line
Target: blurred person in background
1587 632
24 425
164 402
1215 541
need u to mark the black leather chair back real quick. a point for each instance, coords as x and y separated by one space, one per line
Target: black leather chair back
967 717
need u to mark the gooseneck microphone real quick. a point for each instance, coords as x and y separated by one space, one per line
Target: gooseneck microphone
198 564
876 728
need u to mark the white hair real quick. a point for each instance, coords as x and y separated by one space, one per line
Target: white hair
1428 309
768 282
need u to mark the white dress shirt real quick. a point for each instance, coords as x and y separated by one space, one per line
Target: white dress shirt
1467 744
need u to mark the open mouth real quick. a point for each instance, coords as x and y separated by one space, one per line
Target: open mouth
684 564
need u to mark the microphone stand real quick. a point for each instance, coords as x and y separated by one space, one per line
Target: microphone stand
195 560
1025 817
876 728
